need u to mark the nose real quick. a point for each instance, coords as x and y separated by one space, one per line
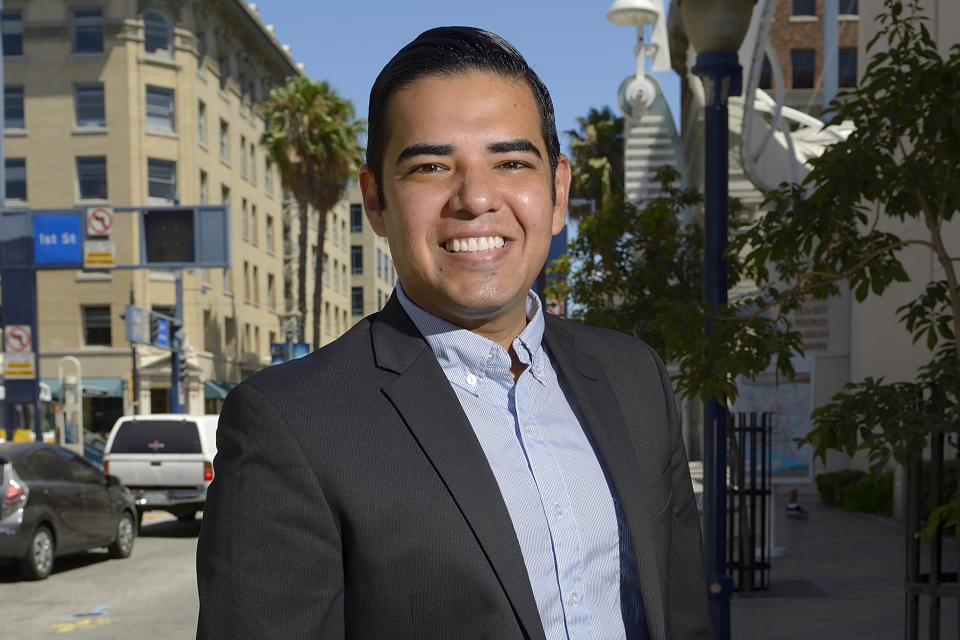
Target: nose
476 194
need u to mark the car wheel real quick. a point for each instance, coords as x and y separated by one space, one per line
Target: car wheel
126 534
38 562
186 516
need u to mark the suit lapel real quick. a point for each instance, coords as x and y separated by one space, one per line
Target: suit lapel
428 406
623 457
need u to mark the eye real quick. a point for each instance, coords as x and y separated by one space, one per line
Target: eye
514 164
428 167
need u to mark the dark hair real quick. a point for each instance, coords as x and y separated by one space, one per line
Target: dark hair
452 51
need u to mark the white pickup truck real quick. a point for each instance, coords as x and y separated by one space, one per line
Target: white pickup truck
166 460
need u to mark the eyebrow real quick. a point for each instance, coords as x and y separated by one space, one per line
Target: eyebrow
507 146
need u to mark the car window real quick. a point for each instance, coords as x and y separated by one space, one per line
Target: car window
44 464
82 470
157 436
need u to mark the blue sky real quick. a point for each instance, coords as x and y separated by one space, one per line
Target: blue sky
580 56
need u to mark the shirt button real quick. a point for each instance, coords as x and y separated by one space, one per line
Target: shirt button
527 428
558 510
574 598
538 370
471 379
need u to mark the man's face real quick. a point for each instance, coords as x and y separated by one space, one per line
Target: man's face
467 186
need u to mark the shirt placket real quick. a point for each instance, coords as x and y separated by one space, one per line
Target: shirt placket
555 500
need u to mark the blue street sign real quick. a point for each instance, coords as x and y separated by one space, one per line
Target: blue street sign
162 339
57 239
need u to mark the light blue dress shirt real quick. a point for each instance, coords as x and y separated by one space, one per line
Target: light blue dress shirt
548 473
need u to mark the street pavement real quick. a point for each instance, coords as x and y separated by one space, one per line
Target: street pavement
840 576
151 594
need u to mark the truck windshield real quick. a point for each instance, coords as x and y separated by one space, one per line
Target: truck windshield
157 436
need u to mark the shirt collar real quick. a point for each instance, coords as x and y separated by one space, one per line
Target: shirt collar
462 353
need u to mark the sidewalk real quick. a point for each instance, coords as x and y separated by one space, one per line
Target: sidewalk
840 576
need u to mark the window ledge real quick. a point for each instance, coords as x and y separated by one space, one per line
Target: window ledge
18 59
223 96
89 131
201 76
803 18
12 203
203 146
94 276
160 60
160 133
225 163
14 132
229 294
848 17
86 56
92 202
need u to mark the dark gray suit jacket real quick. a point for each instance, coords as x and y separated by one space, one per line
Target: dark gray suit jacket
351 498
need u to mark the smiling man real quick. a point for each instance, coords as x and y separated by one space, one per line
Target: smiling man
458 465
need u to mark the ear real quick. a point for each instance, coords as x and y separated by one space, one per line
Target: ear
562 186
371 201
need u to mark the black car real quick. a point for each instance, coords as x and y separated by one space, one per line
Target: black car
53 502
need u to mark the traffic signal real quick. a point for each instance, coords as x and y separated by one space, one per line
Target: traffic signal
176 336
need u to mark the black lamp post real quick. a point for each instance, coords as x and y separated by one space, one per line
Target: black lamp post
716 28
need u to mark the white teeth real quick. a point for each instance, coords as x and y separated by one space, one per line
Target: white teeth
474 244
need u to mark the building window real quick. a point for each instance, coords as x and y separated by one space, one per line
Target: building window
224 141
271 291
847 64
203 187
244 220
201 49
246 281
252 159
12 28
224 194
160 111
849 8
356 259
268 177
158 32
87 31
223 64
256 284
336 275
254 229
269 234
243 157
802 67
16 178
201 123
89 105
804 8
96 325
343 232
356 298
162 179
766 75
380 273
227 282
92 177
13 108
356 217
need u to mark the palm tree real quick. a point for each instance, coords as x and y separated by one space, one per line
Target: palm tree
597 157
313 137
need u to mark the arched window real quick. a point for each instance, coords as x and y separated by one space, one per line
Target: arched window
158 32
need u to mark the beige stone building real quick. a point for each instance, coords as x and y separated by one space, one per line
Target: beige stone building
124 104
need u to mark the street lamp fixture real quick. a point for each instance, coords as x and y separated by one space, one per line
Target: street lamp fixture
641 92
716 28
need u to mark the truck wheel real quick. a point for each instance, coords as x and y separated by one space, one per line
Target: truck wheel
38 562
126 533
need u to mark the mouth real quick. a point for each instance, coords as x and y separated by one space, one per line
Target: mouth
473 245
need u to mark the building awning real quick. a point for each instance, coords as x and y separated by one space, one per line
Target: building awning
217 390
92 387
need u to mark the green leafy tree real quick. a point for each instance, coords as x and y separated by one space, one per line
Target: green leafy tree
840 227
596 158
313 137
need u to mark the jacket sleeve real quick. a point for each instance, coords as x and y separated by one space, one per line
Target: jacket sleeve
687 616
269 561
